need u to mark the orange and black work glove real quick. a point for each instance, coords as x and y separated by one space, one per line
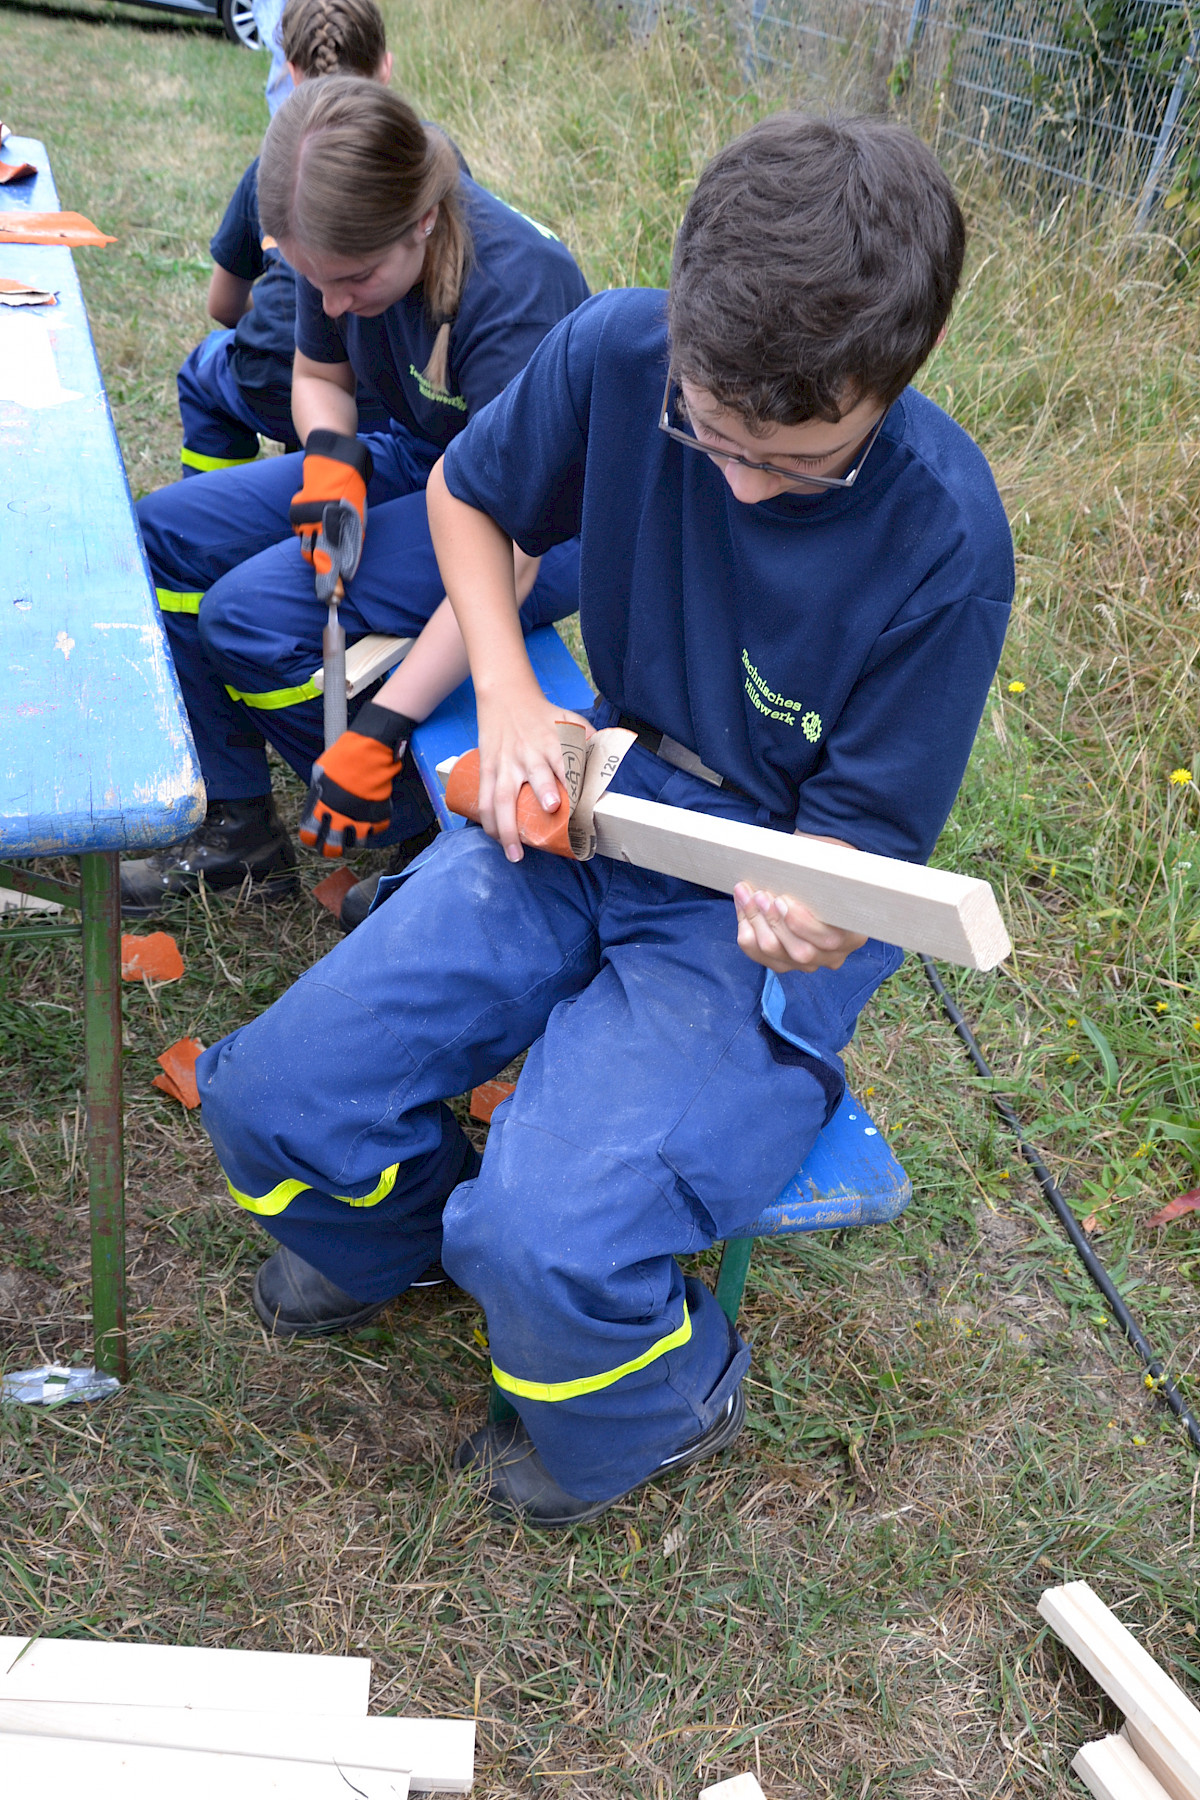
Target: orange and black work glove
350 800
335 468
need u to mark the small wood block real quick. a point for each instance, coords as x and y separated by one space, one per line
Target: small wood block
1158 1711
178 1078
367 660
183 1676
333 890
1112 1770
155 957
10 901
436 1754
739 1787
539 830
487 1097
16 172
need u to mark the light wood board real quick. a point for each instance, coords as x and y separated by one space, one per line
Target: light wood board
1153 1761
367 660
243 1681
1112 1770
438 1755
738 1787
45 1768
954 917
1155 1708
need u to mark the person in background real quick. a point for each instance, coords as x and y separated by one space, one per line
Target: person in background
237 385
267 14
429 291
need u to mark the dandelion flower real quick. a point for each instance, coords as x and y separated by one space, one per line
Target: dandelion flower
1161 1006
1016 687
1180 777
1072 1021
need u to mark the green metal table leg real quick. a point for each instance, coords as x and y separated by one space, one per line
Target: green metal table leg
731 1276
101 885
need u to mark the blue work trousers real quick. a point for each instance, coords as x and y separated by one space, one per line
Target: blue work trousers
656 1112
241 613
222 419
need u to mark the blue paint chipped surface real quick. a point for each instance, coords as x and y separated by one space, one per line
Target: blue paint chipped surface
849 1178
95 750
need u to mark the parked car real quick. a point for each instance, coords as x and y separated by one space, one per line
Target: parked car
235 15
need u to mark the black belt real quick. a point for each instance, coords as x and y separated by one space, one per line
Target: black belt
673 752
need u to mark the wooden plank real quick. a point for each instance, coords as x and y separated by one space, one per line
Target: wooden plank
954 917
367 660
1112 1770
739 1787
1159 1711
180 1675
1154 1762
57 1768
438 1755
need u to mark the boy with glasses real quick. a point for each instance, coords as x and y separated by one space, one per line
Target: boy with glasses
795 580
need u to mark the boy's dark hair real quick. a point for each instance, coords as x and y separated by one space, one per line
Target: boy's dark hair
816 265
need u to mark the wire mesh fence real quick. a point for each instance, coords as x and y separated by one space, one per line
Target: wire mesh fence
1093 93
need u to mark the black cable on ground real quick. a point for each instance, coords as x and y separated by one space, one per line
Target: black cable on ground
1162 1382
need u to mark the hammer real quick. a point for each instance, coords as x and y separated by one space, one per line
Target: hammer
336 556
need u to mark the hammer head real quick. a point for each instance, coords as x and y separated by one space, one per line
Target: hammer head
338 549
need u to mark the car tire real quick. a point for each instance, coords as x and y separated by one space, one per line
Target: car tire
238 19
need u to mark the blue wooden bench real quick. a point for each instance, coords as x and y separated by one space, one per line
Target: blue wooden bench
850 1176
95 752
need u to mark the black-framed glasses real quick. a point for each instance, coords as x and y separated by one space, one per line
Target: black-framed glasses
692 442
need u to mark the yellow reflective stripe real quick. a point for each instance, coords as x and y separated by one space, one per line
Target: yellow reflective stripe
206 464
277 697
591 1384
171 602
380 1191
268 1205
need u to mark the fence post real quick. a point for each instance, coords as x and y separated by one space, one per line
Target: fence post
1165 145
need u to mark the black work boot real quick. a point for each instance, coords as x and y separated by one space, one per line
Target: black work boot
295 1300
238 838
360 898
519 1483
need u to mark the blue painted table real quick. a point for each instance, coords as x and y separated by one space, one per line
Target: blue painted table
95 752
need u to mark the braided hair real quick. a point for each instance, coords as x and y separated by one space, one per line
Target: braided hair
331 37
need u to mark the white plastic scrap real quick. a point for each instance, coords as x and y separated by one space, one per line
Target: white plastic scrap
54 1384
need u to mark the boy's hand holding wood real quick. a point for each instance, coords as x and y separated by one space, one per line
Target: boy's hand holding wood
783 935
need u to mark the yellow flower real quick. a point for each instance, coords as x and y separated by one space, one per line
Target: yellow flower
1074 1056
1004 1174
1180 777
1072 1021
1142 1150
1016 687
1161 1006
869 1090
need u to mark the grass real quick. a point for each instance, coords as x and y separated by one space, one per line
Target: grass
942 1422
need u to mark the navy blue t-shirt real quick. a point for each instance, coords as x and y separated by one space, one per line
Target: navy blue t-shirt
830 655
264 337
521 282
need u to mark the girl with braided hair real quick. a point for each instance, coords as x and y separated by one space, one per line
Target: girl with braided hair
237 384
421 288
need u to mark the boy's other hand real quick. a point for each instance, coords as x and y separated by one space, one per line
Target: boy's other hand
783 935
518 743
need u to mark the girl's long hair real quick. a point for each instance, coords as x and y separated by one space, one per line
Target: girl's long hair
347 169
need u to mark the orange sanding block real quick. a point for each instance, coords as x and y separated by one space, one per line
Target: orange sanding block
539 830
